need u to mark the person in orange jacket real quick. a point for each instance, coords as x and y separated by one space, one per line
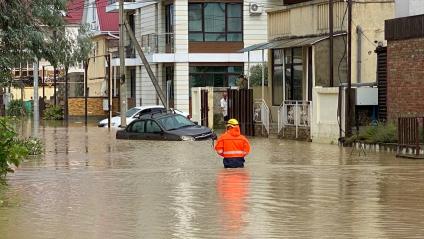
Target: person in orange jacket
233 146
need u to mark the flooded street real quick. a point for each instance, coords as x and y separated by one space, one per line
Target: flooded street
89 185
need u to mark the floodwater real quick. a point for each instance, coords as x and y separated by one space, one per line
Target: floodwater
89 185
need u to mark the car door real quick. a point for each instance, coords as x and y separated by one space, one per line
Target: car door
137 130
153 130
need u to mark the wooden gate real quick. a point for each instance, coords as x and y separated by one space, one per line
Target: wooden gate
204 108
240 107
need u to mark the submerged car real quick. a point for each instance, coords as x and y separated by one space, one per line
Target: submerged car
165 126
135 113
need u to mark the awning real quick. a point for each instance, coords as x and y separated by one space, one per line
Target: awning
287 43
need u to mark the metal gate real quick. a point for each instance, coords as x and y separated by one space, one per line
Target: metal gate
204 108
382 82
240 107
409 137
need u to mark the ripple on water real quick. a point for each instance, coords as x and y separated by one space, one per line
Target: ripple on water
89 185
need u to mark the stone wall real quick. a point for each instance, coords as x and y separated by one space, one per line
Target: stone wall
405 77
95 106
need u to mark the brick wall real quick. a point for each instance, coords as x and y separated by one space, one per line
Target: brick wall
95 106
405 77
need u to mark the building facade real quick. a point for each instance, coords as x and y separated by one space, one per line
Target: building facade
190 44
299 59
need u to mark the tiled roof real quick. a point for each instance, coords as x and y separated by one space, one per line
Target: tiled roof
108 21
74 12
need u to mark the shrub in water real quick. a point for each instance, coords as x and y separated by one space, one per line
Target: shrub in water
16 108
53 112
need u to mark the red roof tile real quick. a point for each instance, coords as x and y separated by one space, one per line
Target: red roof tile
109 21
75 12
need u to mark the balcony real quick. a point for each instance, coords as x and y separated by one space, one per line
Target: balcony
113 5
308 18
157 43
129 52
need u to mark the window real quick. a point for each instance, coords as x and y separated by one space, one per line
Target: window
138 127
216 76
152 127
215 22
277 79
287 75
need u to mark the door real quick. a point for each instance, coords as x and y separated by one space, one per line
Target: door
204 108
153 131
137 130
169 28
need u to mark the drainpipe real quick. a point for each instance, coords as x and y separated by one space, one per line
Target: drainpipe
359 54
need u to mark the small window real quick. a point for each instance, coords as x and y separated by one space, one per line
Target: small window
152 127
138 127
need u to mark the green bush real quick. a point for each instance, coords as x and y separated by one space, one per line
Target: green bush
53 112
382 133
12 151
34 146
16 108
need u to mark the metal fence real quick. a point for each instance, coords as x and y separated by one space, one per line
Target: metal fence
409 136
261 114
157 43
294 113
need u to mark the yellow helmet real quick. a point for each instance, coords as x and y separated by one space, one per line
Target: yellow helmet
232 122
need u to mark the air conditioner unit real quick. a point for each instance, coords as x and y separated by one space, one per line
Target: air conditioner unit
255 8
93 26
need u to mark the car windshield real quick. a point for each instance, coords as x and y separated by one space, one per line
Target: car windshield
131 112
175 122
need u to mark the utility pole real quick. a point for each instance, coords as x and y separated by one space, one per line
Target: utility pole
349 71
331 38
66 95
123 89
109 89
86 62
36 103
54 85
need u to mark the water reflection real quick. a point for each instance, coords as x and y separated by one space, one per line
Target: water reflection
90 184
232 186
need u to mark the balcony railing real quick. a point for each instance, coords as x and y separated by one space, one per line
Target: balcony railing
294 113
114 1
157 43
129 52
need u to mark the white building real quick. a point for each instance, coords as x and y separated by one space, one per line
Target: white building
405 8
192 44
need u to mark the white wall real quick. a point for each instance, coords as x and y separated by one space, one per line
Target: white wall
406 8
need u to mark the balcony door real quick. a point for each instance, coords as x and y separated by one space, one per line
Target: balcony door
169 28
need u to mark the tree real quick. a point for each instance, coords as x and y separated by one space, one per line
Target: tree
25 27
256 75
68 49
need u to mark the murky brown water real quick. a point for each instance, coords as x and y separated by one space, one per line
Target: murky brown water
89 185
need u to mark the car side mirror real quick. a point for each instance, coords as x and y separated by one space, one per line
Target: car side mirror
196 123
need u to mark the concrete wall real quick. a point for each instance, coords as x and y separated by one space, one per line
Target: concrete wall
28 92
325 127
97 67
405 88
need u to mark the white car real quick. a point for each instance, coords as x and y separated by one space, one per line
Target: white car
134 113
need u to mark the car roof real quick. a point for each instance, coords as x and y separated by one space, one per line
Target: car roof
158 115
144 107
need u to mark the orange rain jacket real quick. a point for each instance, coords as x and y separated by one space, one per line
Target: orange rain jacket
232 144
